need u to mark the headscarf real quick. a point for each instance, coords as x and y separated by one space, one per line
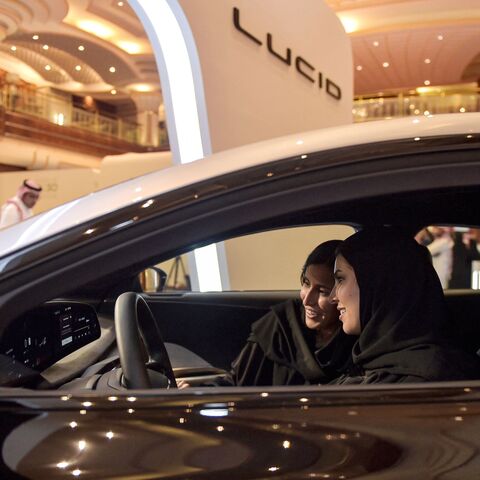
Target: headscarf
403 314
28 186
322 254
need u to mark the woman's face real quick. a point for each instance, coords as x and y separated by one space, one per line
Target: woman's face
317 285
346 296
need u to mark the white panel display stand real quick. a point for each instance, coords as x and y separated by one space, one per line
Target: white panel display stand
235 72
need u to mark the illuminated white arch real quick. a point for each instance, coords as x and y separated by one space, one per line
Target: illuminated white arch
182 86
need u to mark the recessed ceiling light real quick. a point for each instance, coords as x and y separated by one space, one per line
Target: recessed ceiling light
120 4
385 64
35 37
439 37
78 68
375 43
81 48
462 110
349 24
427 60
426 82
45 47
112 69
48 68
113 91
359 68
13 48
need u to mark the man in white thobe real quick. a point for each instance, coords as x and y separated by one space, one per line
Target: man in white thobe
20 206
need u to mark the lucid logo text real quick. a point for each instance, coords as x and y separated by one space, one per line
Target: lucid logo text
302 66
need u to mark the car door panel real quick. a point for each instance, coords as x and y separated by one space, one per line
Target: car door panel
212 325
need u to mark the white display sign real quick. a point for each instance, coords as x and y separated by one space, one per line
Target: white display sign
270 67
238 72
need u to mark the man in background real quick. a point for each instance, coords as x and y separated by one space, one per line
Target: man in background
465 252
20 206
441 249
440 243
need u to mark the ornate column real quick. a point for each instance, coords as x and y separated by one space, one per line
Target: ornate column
149 113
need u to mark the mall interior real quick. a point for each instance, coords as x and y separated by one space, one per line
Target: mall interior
81 103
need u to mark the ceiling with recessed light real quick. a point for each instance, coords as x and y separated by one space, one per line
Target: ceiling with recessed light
99 47
88 47
403 44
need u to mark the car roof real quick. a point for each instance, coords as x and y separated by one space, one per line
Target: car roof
142 188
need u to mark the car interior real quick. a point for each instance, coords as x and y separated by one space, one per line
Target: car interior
91 342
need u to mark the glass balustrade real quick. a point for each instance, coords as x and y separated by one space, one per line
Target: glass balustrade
59 110
422 101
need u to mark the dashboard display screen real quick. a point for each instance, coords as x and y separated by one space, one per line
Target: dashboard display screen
45 335
75 326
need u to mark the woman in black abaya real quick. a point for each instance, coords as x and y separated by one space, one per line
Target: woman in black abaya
388 293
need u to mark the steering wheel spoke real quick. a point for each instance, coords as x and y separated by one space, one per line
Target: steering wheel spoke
138 333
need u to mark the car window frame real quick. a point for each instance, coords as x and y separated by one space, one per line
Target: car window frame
225 213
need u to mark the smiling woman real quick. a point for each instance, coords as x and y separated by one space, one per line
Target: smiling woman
320 314
298 341
347 296
388 293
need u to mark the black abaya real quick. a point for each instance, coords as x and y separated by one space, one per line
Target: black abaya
281 351
404 323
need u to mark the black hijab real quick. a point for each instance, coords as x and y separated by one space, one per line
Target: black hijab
403 314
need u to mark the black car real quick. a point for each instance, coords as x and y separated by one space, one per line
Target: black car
76 398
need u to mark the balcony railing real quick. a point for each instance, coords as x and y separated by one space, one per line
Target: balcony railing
415 103
59 110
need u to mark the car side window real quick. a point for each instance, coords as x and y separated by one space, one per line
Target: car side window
263 261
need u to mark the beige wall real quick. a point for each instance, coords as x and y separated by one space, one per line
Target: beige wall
60 186
273 260
117 168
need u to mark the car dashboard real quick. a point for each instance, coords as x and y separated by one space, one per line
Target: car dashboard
36 342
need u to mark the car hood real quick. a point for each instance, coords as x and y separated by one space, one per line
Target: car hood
142 188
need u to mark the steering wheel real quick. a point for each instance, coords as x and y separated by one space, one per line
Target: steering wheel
138 334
